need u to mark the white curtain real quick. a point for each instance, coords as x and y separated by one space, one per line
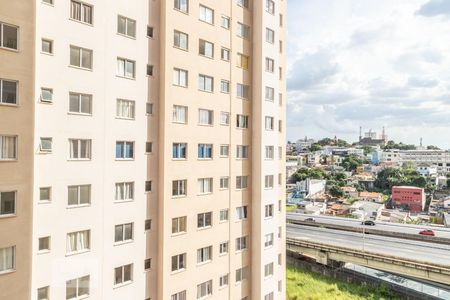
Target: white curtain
74 153
83 240
179 114
8 147
120 67
71 242
87 14
203 116
7 258
76 11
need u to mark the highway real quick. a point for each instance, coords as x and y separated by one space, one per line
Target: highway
393 227
401 248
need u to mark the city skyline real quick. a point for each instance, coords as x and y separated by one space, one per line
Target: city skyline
369 64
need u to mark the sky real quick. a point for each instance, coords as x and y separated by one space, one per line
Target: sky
369 63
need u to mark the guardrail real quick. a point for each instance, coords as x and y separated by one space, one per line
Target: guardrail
389 259
369 230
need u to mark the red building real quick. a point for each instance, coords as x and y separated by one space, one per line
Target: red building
408 197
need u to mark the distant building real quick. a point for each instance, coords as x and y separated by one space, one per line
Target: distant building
370 139
371 196
447 220
393 216
338 210
303 144
365 210
427 170
349 191
409 198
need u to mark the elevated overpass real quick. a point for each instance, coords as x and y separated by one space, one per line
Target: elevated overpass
416 259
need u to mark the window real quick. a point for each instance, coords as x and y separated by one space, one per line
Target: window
224 118
280 72
205 117
80 103
123 232
181 5
280 125
205 83
270 36
7 204
204 220
180 40
242 91
78 241
242 61
280 285
7 259
269 123
225 86
241 274
225 22
178 262
8 147
205 151
241 121
46 95
280 99
124 191
124 150
79 149
224 183
147 264
179 187
179 225
243 31
148 108
280 178
206 14
225 54
125 109
123 274
126 68
281 46
243 3
223 280
148 224
279 206
280 259
268 211
204 254
223 215
149 31
269 152
270 65
80 57
45 145
9 36
241 182
280 231
270 94
280 153
204 185
126 26
223 247
77 288
241 243
179 150
204 289
281 20
79 195
149 70
44 244
268 181
269 296
8 91
47 46
241 212
224 150
80 11
180 77
241 151
180 114
268 240
179 296
45 194
43 293
270 8
206 48
268 270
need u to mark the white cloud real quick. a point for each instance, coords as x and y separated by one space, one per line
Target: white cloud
369 63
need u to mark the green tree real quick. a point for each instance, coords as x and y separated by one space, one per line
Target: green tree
315 147
336 191
313 173
367 149
351 163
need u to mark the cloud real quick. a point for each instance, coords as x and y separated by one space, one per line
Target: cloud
312 69
435 8
422 82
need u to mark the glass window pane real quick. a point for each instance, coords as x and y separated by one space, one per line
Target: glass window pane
86 59
118 233
84 194
9 36
73 195
118 275
85 104
121 23
131 28
127 273
83 286
128 231
71 289
74 103
74 56
9 92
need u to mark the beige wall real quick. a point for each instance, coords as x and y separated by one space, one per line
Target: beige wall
18 120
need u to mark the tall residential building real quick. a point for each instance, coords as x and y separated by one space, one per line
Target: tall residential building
142 149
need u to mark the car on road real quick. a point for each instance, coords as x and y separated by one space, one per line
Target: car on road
368 223
310 220
427 232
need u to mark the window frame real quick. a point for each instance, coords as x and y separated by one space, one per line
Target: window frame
14 204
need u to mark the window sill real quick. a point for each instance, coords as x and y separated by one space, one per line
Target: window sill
78 206
44 202
8 160
125 118
78 252
80 68
203 263
180 48
40 252
7 272
182 123
212 24
181 11
6 216
47 53
223 221
124 159
224 124
177 271
81 22
126 36
123 242
204 228
240 251
181 86
125 77
116 286
179 196
205 56
123 201
77 159
205 158
44 101
223 254
207 125
9 49
79 114
178 234
206 91
204 194
9 104
179 159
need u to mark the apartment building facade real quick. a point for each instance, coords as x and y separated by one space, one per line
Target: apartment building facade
149 158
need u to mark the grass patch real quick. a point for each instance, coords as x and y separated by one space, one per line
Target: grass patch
307 285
